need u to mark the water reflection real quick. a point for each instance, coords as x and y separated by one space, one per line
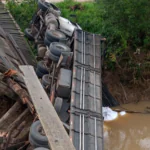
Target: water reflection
129 132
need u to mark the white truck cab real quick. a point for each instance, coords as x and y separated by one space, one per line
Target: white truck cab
66 26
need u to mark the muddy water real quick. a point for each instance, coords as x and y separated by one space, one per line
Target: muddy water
129 132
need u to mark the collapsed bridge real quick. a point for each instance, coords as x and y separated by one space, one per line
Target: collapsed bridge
85 123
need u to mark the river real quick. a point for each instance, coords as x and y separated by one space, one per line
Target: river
129 132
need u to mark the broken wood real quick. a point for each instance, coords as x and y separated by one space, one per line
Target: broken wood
9 113
14 125
19 129
52 125
23 95
5 90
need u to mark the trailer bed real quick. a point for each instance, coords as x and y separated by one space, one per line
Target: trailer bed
86 123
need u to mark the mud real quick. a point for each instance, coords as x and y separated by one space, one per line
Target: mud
129 132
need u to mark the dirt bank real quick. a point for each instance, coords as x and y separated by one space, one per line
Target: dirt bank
126 92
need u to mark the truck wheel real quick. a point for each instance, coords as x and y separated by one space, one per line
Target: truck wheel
46 41
28 34
46 81
58 104
53 57
42 68
44 5
36 144
57 48
39 74
36 134
50 18
55 35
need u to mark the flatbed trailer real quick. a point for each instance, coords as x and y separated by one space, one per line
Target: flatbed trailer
86 122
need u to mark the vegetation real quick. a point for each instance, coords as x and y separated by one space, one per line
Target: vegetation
125 24
84 12
88 15
22 12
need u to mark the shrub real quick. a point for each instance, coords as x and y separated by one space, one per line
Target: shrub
126 23
22 12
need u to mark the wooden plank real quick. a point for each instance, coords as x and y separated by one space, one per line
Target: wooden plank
53 127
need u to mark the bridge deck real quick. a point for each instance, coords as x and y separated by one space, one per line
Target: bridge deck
10 26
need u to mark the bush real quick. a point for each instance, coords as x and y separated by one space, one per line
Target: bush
22 12
126 23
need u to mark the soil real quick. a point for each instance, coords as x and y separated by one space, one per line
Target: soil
126 93
130 80
126 90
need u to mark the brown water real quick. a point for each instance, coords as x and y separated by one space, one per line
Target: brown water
129 132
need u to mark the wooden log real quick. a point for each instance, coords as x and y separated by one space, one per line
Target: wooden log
14 125
22 93
19 129
5 90
19 119
24 136
52 125
9 113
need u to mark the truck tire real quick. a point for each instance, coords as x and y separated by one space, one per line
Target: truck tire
55 35
36 144
57 48
42 68
44 5
35 134
53 57
46 81
58 104
51 19
47 42
39 74
28 34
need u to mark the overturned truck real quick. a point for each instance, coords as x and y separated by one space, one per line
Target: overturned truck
62 108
